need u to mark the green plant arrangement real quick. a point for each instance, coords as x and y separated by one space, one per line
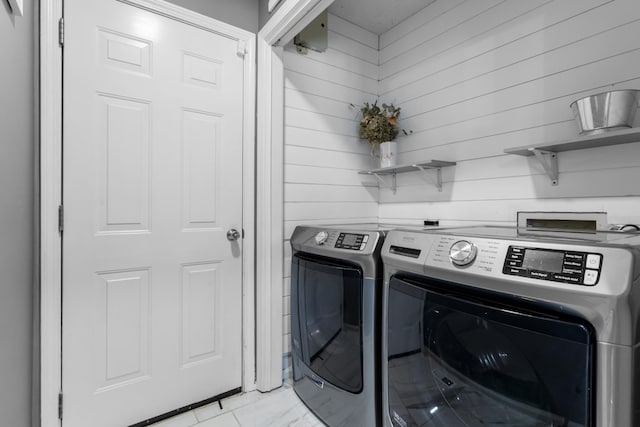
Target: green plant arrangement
379 124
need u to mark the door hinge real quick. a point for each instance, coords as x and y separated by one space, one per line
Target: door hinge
242 48
61 32
60 406
60 218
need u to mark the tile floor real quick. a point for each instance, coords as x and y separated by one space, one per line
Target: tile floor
278 408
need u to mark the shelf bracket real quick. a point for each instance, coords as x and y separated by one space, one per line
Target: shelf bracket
549 161
384 184
438 180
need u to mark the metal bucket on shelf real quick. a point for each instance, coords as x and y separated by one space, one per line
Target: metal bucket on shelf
606 111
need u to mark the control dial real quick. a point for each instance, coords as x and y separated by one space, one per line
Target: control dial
321 237
463 252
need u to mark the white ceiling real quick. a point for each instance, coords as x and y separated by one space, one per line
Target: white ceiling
377 16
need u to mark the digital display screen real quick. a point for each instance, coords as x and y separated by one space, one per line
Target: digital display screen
535 259
349 239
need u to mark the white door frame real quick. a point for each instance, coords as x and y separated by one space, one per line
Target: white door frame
51 192
291 17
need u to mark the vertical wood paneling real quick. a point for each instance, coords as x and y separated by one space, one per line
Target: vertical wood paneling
489 75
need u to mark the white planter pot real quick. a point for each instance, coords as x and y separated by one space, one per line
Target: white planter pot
388 154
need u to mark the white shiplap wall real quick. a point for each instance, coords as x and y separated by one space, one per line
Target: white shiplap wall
476 77
473 77
322 151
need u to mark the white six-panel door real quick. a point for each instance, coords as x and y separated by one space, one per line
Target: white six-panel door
152 181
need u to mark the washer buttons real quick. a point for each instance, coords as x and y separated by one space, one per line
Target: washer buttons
593 261
590 277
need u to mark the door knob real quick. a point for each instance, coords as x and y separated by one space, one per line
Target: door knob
233 235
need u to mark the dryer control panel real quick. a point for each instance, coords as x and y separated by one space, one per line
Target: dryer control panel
352 241
579 268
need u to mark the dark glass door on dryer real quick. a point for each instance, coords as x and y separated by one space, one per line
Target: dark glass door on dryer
461 358
326 322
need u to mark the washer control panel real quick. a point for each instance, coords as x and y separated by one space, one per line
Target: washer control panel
463 252
579 268
474 255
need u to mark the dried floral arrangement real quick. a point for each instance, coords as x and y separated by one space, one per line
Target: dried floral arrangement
379 123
